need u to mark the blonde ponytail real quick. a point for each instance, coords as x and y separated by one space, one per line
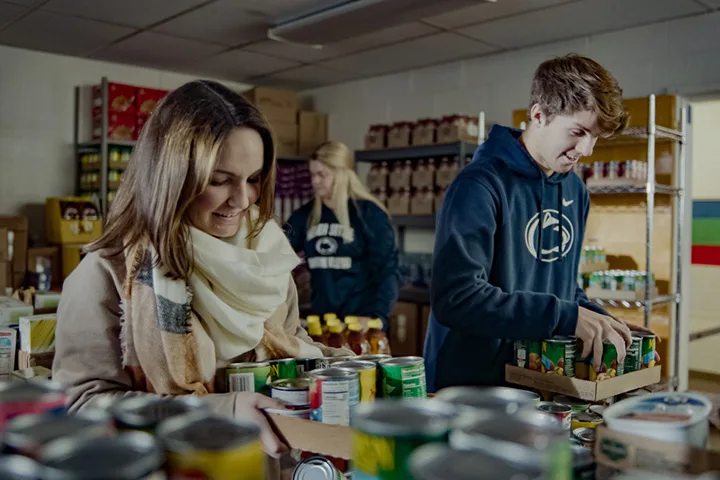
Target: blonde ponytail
347 186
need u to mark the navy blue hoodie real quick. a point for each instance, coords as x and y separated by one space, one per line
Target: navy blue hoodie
505 263
353 271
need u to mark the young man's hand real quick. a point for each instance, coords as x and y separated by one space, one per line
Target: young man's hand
594 328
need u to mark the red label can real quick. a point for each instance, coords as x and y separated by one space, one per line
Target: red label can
559 411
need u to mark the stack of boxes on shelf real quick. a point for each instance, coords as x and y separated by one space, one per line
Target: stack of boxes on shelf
296 132
128 109
426 131
292 189
413 186
13 252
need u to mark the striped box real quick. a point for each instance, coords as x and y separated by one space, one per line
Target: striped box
37 333
706 233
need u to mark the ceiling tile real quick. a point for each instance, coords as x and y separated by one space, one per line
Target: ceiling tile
9 13
225 22
158 51
589 16
278 10
59 34
419 52
711 3
306 77
135 13
25 3
376 39
240 65
489 11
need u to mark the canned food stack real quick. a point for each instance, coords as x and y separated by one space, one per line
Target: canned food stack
562 356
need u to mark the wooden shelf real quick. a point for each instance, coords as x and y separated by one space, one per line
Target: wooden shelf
418 151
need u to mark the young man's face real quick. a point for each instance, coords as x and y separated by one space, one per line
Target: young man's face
563 140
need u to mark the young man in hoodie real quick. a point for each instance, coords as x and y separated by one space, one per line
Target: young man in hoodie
510 233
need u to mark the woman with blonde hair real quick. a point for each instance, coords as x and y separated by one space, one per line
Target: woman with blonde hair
192 272
347 239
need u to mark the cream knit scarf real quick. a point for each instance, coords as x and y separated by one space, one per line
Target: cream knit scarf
219 314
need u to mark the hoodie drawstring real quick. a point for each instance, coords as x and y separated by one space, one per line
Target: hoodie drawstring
560 225
540 219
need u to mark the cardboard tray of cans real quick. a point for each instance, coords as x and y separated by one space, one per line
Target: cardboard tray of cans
583 389
625 452
316 437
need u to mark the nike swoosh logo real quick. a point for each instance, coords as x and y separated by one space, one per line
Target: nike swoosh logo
567 203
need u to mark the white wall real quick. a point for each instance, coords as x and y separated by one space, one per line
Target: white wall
36 124
680 56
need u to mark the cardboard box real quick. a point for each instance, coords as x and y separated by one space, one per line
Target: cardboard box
46 301
18 253
279 106
4 245
30 360
404 331
46 255
71 255
424 132
399 203
457 128
422 203
8 347
121 126
399 135
423 175
316 437
624 451
37 333
5 277
400 176
147 100
583 389
121 97
376 137
31 374
312 131
446 172
72 220
285 139
11 310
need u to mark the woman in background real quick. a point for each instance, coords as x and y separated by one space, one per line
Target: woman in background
192 272
347 240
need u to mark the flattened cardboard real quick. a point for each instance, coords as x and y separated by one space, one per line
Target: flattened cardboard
583 389
623 451
316 437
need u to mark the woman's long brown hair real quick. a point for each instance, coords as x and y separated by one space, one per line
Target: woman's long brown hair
172 164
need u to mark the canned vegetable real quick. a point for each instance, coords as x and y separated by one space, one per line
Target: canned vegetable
20 398
293 391
334 392
609 367
248 377
633 361
508 400
403 377
283 368
558 356
562 412
146 412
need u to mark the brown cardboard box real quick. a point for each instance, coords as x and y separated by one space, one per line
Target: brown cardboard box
399 135
457 128
285 139
312 131
29 360
446 172
404 329
4 246
316 437
423 175
583 389
71 220
279 106
422 203
51 253
376 137
424 132
5 277
18 264
400 176
399 202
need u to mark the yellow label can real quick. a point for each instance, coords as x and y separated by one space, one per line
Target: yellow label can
367 371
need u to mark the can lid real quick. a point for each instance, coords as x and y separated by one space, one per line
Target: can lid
315 468
586 435
249 365
562 339
291 383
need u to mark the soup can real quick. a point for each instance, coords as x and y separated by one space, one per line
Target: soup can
367 373
145 413
212 447
334 392
20 398
248 377
293 391
505 399
403 377
562 412
282 368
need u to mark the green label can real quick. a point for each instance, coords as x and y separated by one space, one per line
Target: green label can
647 350
632 356
521 353
403 377
249 377
558 356
283 368
609 367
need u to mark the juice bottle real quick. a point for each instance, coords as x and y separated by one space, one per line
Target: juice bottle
349 320
356 340
335 339
376 338
327 318
316 333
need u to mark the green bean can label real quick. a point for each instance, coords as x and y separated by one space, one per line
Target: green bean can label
403 377
558 356
385 458
633 360
283 368
609 366
248 377
647 351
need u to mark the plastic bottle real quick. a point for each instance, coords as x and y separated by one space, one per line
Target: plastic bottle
335 339
316 333
327 318
349 320
356 340
376 338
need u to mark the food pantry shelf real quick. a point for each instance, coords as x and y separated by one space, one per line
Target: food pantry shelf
640 135
623 189
418 151
414 221
659 300
113 143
